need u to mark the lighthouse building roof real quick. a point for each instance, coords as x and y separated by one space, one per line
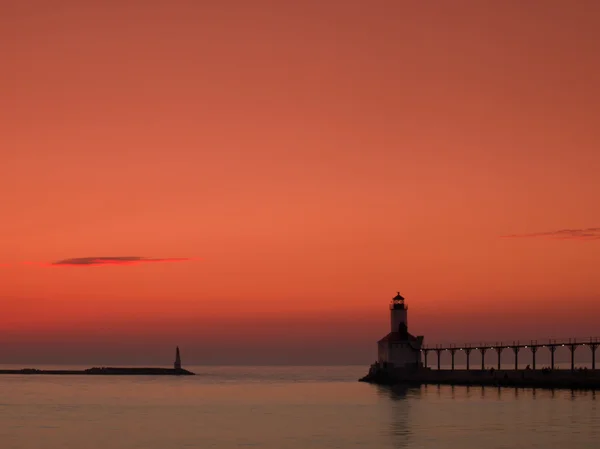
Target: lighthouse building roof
406 338
394 337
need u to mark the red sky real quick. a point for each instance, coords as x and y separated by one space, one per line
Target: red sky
313 158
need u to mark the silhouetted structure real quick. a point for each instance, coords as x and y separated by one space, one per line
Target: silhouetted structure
177 364
401 356
399 348
534 345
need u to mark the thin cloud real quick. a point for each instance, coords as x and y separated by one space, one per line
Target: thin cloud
120 260
562 234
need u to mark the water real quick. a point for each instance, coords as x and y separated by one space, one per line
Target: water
285 408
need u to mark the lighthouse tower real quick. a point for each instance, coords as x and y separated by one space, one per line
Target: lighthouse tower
399 349
398 315
177 364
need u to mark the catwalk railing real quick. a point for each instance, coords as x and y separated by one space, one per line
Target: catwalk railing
533 345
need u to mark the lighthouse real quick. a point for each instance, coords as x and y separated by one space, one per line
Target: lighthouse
398 314
177 364
399 349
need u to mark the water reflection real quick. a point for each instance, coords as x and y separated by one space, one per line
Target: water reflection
399 400
458 417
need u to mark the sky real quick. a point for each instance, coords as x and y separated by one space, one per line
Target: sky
254 181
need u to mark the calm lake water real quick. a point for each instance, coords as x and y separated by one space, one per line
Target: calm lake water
285 408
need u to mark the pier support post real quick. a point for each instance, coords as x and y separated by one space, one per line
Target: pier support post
516 349
572 347
468 352
452 352
552 351
593 347
499 351
439 353
482 350
425 352
533 351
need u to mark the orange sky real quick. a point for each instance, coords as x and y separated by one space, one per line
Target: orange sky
313 158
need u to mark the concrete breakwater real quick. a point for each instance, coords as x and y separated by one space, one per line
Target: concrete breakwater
106 371
577 379
177 370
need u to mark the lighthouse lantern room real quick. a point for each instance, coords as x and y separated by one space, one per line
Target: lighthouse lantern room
398 312
400 349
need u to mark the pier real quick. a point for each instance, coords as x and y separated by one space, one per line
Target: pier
177 370
572 344
115 371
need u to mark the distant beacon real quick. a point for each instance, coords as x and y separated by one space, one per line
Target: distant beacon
399 348
177 364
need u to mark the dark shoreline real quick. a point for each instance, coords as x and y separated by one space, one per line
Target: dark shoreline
104 371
